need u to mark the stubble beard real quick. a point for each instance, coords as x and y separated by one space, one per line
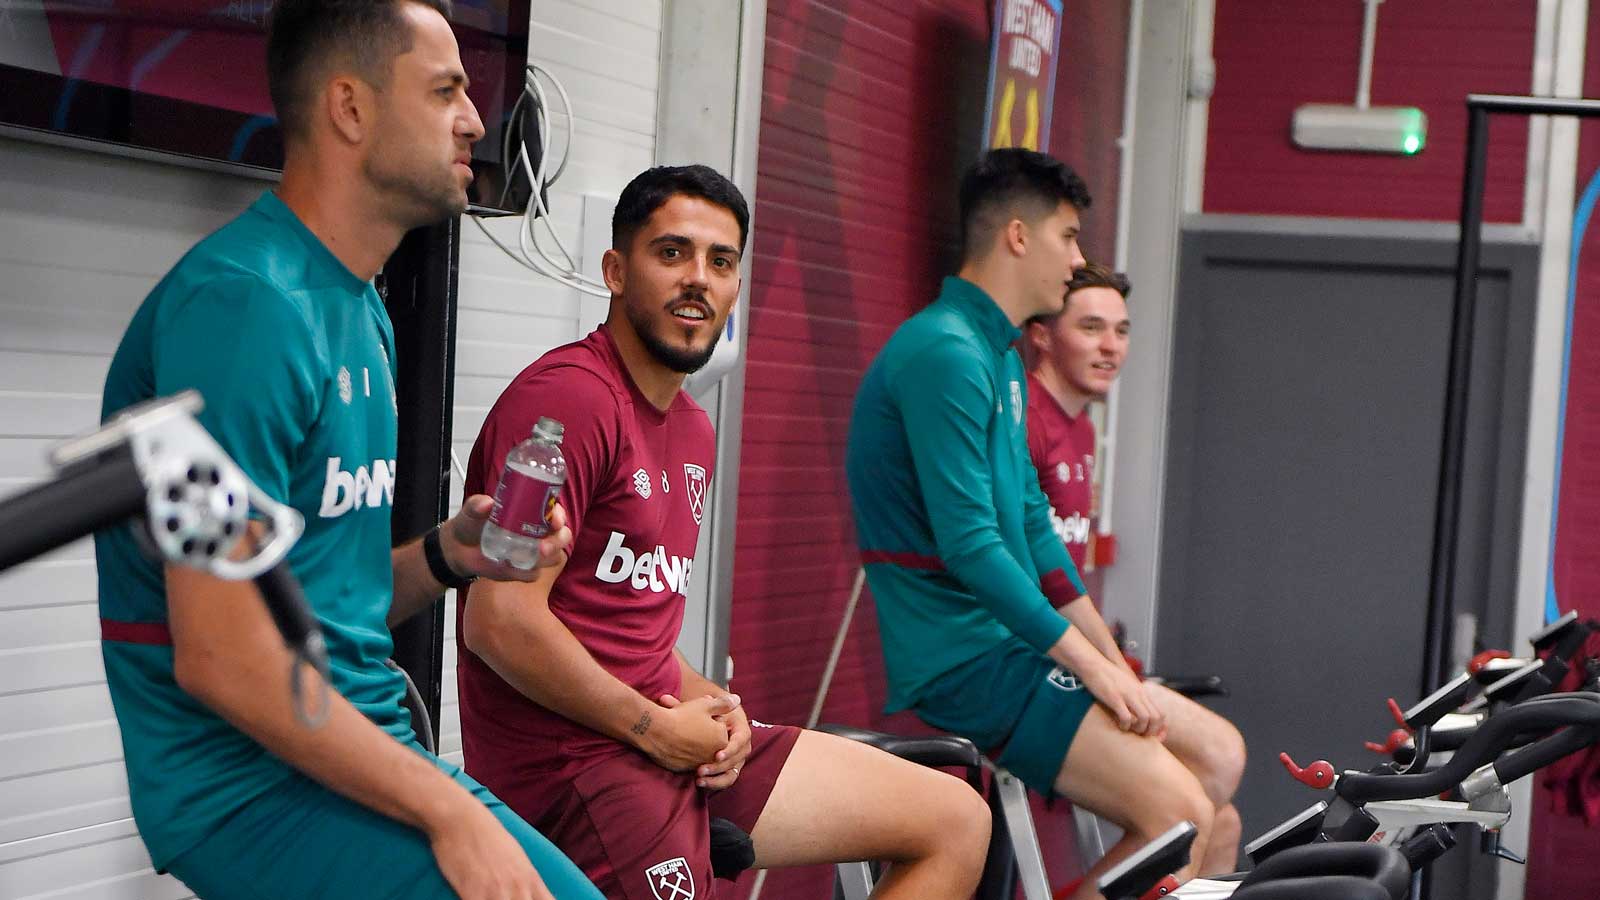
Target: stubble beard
418 197
684 361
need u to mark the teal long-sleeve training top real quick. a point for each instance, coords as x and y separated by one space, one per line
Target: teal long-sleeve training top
953 529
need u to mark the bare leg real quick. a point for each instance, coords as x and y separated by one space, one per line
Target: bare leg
1135 782
1212 748
837 800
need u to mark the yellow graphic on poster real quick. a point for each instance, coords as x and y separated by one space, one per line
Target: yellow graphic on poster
1022 65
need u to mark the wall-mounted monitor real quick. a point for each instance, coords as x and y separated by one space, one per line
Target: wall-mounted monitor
186 79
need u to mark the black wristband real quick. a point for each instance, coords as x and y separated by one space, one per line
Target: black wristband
437 567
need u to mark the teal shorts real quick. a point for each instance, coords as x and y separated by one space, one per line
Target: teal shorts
302 840
1015 702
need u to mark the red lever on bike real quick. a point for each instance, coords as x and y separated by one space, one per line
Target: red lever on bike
1397 739
1318 775
1482 659
1399 716
1163 888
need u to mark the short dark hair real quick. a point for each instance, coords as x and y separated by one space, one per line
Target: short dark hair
1090 276
652 188
1095 275
304 36
1013 183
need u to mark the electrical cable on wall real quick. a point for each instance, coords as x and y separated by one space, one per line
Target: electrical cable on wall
529 252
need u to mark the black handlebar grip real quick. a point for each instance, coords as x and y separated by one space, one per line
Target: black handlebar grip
92 495
292 614
1542 753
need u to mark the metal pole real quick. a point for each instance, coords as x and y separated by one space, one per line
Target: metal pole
1447 510
838 648
1369 37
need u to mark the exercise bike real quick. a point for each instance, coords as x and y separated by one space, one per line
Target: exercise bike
1415 813
1315 872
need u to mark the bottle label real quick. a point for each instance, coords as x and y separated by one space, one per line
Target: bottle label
522 504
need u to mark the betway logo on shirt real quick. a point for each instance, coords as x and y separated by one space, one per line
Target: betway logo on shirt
343 491
652 570
1072 530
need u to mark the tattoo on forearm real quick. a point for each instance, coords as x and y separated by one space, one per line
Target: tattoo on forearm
643 725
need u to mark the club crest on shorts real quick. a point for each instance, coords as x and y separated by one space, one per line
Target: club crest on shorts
695 478
641 483
671 880
1064 679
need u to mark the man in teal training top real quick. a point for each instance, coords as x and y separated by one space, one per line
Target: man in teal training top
275 320
965 567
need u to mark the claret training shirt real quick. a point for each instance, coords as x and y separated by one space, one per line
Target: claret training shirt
1062 448
638 481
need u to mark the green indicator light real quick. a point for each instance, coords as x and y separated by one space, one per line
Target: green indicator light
1412 143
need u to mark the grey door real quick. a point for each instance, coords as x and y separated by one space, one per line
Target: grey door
1307 403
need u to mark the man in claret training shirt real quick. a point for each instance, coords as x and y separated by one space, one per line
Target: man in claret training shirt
1074 357
575 706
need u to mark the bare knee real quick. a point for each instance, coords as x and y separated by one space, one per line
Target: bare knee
1224 763
1177 800
957 823
938 815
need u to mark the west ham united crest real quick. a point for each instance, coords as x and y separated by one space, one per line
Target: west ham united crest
695 478
672 880
1064 679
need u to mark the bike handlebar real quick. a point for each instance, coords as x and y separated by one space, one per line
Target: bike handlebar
1578 712
95 494
1527 760
105 479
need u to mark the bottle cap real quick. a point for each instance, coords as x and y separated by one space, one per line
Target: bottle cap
549 429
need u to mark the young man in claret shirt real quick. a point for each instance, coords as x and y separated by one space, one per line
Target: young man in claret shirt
575 706
1074 357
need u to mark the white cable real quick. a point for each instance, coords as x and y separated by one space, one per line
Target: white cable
566 104
530 253
523 260
570 265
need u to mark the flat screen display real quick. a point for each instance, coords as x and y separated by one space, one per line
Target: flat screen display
188 77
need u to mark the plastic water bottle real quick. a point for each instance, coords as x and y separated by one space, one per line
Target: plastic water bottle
525 497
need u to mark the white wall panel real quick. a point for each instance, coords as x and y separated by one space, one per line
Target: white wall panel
83 238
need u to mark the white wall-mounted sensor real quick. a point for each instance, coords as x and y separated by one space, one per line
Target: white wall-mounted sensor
1372 129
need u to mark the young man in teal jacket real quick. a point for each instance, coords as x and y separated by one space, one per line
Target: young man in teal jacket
965 568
